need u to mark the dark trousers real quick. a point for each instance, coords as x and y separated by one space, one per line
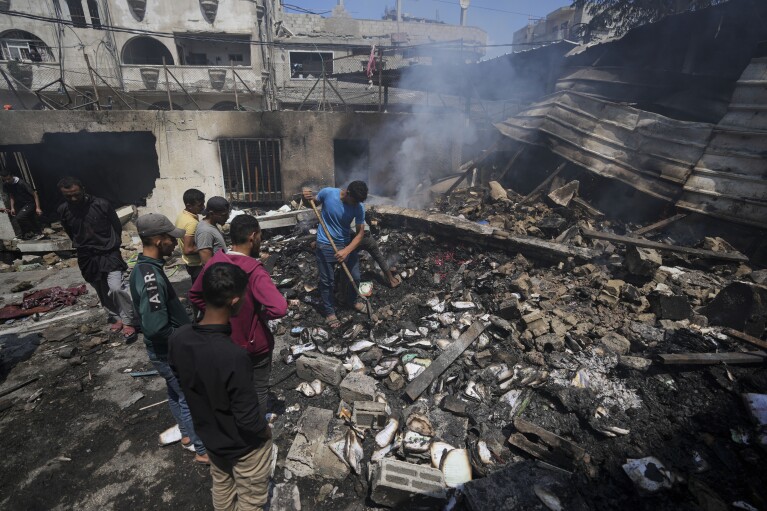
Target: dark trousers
370 245
193 271
262 370
27 219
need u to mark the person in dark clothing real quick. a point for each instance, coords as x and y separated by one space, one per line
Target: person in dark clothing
161 313
96 234
23 202
217 378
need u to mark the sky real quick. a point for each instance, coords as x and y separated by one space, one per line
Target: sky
499 18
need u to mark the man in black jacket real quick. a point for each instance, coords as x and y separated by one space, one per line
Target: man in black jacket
216 376
96 234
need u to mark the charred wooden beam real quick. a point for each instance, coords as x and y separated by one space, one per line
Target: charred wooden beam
447 226
639 242
745 357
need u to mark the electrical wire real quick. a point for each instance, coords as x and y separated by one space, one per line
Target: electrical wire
491 9
202 38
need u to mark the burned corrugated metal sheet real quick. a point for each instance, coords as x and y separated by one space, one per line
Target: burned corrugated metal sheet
683 66
730 180
647 151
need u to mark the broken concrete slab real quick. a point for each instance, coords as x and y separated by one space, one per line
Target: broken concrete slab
497 192
285 497
563 195
312 430
357 387
404 485
311 365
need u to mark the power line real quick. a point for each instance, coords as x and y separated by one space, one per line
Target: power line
490 9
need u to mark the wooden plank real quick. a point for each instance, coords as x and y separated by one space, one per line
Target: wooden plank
459 181
745 337
18 386
660 224
746 357
454 350
509 165
639 242
571 449
546 182
588 208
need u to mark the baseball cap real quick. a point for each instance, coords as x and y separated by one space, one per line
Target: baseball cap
216 204
153 224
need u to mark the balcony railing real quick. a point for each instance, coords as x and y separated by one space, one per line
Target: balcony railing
193 78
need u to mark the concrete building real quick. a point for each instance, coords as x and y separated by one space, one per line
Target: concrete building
566 23
217 55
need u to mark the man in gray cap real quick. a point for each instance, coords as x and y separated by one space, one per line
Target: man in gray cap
161 313
208 237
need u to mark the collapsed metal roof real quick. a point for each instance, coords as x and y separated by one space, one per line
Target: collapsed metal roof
631 114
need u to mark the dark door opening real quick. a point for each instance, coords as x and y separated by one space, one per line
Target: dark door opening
352 161
119 167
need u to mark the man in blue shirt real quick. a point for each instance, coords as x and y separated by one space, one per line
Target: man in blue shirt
339 209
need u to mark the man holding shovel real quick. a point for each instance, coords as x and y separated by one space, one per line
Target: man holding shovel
339 209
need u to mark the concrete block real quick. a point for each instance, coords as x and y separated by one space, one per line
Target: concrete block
673 307
616 343
369 414
311 366
311 435
358 387
740 305
404 485
642 261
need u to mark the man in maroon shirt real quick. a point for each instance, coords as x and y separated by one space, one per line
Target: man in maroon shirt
262 301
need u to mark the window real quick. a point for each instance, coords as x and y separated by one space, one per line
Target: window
23 46
251 169
236 58
93 9
76 13
304 64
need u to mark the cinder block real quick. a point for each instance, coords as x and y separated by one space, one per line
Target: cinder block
311 366
369 414
405 485
358 387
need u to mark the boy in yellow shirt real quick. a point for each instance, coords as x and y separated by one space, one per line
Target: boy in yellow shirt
194 202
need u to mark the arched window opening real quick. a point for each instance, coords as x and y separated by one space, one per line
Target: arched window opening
24 47
145 50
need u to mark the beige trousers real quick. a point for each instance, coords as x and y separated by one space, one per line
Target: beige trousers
242 485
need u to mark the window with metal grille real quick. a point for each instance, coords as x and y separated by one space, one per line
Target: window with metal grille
76 13
252 170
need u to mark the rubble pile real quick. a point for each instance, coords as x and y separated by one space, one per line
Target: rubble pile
493 379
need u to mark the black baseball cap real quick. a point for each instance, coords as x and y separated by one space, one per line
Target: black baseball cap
153 224
216 205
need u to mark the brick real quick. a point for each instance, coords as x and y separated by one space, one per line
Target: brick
405 485
358 387
369 414
311 366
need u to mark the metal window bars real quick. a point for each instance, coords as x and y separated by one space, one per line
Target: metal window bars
251 169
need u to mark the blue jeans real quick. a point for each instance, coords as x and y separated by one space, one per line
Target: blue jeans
326 262
177 402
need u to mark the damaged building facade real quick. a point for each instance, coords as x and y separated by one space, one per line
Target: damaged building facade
197 54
